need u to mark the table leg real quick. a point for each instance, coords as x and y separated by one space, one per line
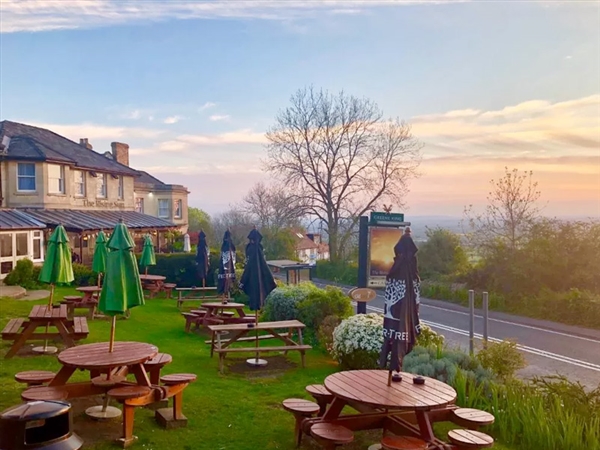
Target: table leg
140 375
128 412
25 335
155 375
425 426
177 400
63 375
208 315
334 409
64 333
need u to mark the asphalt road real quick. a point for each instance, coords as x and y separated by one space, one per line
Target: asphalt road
549 348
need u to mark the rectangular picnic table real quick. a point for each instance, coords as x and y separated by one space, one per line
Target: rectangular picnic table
186 294
21 331
239 332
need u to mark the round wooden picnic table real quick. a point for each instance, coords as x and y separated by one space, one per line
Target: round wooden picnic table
370 387
97 357
88 292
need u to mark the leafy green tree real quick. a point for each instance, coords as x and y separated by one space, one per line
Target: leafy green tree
199 220
279 243
442 254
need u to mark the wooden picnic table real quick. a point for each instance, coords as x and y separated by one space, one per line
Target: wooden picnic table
239 333
185 294
152 278
404 407
214 310
43 316
97 359
90 293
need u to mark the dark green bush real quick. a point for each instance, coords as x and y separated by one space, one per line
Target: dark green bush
181 269
23 274
344 273
84 276
321 303
282 303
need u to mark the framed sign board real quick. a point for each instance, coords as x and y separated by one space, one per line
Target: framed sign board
381 253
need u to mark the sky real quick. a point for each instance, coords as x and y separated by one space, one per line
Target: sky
192 86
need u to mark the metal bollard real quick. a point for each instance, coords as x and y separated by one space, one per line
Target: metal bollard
485 318
471 321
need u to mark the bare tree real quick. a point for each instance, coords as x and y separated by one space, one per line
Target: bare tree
274 206
237 221
342 158
511 211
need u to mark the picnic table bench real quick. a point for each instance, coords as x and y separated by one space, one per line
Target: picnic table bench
240 331
186 294
21 331
73 304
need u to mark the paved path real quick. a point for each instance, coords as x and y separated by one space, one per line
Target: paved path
549 347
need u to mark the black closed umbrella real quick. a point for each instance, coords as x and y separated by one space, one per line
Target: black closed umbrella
202 255
257 280
226 276
401 325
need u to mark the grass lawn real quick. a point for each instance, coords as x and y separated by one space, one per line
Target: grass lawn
238 410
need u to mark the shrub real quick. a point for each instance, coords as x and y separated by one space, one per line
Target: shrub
321 303
23 274
325 334
344 273
181 269
282 302
429 338
445 365
357 341
574 396
84 276
502 358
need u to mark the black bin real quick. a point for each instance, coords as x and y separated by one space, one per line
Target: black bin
40 425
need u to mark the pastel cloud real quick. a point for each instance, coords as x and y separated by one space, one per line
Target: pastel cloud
219 117
44 15
206 106
173 119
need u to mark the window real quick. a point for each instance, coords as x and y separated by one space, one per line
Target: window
163 208
22 243
26 177
178 209
120 193
79 180
37 245
101 191
56 179
139 205
6 245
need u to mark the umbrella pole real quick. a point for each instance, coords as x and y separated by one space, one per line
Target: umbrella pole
50 308
256 342
111 343
146 270
390 378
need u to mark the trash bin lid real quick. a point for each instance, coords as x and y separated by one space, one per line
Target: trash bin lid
35 410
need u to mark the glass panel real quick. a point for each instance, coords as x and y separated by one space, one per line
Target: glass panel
26 184
163 208
56 183
120 187
6 267
37 249
139 205
79 183
22 240
101 185
6 247
26 169
37 234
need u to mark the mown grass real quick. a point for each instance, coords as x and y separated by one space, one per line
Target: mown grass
230 411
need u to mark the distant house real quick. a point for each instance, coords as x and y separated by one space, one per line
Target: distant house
47 180
310 248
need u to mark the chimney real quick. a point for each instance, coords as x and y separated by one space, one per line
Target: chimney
120 153
84 143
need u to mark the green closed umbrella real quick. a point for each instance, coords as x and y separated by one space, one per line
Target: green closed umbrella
100 255
148 258
122 288
58 266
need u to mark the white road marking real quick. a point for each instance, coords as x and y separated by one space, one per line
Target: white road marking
524 348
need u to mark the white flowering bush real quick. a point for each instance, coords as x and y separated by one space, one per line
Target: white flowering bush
357 341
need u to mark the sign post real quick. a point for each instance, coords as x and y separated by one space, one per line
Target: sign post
363 260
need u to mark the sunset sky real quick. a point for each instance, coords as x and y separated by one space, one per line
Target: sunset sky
193 86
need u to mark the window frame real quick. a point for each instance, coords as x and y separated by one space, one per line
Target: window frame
77 183
102 177
121 188
61 179
139 205
168 214
177 203
34 176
